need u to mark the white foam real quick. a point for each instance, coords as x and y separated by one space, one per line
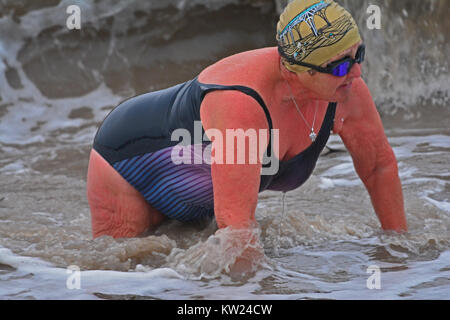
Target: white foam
326 183
442 205
396 284
38 279
16 127
17 167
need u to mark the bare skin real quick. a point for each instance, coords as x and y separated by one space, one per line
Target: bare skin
357 122
119 210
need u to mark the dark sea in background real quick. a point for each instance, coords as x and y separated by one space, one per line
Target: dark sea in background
57 85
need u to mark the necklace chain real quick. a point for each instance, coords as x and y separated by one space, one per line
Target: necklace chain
312 135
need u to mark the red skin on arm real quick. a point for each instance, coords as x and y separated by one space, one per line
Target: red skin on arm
235 185
363 134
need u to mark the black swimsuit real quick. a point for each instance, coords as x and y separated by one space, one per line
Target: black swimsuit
135 138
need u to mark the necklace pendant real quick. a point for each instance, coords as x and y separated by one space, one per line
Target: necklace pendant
313 136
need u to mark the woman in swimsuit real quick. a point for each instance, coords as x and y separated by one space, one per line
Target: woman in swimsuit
303 89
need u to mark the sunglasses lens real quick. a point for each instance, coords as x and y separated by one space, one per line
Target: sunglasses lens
342 69
360 55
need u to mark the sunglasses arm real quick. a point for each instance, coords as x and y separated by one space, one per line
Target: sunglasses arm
303 64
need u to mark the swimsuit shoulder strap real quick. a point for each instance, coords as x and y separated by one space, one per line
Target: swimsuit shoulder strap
206 88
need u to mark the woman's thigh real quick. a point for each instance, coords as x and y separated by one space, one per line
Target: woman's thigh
180 191
117 208
138 193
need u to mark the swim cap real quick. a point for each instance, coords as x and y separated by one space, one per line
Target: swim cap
314 31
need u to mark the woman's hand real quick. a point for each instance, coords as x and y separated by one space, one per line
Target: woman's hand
250 252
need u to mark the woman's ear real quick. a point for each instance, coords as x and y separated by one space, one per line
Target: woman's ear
288 73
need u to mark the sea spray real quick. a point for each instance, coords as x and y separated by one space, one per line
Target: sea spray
220 253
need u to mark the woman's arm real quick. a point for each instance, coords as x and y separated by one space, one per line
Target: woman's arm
236 185
363 134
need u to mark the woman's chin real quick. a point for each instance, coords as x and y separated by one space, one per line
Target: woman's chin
342 95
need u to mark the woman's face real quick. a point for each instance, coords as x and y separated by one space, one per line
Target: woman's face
328 87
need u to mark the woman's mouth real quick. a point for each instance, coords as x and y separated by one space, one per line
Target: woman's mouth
347 85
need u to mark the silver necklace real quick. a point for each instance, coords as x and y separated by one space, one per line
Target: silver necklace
313 134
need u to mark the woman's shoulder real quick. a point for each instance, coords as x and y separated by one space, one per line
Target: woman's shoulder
248 68
232 108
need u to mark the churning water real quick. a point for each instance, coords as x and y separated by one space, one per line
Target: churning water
57 85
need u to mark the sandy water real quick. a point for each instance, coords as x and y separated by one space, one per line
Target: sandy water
320 247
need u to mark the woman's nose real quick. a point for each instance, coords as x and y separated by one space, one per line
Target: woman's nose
355 71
